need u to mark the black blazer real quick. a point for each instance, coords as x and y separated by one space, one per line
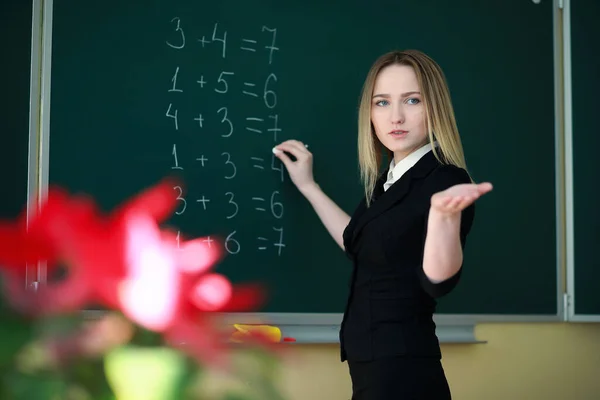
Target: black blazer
391 302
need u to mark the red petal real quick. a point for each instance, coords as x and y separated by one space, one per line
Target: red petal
100 255
197 256
160 201
246 297
91 248
17 248
211 292
66 296
61 221
21 244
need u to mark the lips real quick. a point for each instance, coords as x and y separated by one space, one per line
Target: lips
398 133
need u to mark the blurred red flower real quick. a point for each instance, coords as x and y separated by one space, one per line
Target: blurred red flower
123 261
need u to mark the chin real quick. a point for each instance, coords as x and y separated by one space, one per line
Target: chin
398 147
403 150
404 145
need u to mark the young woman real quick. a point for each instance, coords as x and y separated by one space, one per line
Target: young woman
406 237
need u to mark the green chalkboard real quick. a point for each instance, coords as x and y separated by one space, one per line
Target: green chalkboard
15 23
143 89
585 64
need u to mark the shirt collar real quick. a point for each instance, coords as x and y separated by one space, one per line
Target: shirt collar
396 171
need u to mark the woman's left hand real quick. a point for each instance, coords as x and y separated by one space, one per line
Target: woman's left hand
458 197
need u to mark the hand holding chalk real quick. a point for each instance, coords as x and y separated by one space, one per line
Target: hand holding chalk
276 150
300 170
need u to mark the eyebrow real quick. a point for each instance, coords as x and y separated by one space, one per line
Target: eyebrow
385 95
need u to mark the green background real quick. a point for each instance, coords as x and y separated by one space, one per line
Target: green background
15 26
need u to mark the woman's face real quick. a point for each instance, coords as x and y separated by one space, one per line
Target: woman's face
397 111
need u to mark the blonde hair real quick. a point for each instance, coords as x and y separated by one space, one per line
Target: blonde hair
439 115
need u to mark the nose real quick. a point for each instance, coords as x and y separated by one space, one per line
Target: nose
397 116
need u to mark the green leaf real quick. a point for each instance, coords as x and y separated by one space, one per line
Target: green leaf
15 332
89 374
19 386
60 324
130 368
190 376
145 337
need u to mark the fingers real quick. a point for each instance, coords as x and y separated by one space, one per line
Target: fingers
484 187
472 189
283 157
295 147
301 147
293 150
454 204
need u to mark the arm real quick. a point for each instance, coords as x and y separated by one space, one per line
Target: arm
443 255
331 215
300 170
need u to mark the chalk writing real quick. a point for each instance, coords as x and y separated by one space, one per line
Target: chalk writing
244 119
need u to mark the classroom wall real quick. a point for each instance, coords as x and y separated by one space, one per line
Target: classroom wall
544 361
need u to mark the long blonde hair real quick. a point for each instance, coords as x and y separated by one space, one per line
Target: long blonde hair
439 114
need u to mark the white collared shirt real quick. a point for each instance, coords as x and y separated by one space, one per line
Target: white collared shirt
396 171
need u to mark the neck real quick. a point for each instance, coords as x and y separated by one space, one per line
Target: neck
399 156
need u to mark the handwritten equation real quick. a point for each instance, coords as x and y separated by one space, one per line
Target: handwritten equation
215 86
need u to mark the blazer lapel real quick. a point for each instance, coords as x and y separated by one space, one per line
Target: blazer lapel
383 201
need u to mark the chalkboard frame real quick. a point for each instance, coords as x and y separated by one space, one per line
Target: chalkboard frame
571 200
33 272
323 328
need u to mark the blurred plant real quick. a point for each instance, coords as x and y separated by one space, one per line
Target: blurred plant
159 336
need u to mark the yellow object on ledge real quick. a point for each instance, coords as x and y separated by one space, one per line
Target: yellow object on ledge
268 332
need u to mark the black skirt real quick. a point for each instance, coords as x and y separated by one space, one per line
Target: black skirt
402 378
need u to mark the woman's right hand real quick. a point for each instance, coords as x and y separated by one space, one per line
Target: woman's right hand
301 171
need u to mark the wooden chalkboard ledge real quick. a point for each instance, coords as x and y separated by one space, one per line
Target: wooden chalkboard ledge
324 334
324 328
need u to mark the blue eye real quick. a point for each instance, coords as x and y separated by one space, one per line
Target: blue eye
416 101
381 103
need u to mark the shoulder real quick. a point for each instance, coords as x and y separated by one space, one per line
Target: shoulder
444 176
450 173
